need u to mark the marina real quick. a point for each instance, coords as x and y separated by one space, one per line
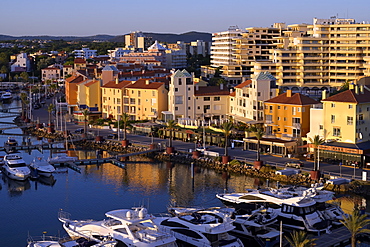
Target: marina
89 184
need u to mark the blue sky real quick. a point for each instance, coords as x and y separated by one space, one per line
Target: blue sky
117 17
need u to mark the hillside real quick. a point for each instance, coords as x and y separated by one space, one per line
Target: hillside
162 37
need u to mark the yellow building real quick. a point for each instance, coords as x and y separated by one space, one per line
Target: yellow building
141 100
145 99
112 94
346 117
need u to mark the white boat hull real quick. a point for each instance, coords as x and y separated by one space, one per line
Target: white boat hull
20 174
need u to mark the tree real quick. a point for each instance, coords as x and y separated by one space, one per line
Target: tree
316 142
25 102
51 108
24 76
125 119
356 224
226 129
171 125
259 132
299 239
85 113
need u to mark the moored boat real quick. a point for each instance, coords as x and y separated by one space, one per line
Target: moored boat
42 167
15 167
129 227
61 158
200 227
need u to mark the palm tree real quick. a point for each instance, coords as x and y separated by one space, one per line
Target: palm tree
259 132
25 102
51 108
85 113
125 119
356 224
316 141
171 125
299 239
226 128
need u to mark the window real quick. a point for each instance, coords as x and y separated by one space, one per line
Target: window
278 118
278 107
118 109
285 130
176 108
178 100
188 81
206 107
132 101
176 89
349 120
361 117
285 108
296 120
259 94
139 94
332 105
350 106
153 93
216 98
118 101
332 118
207 98
180 82
336 131
321 126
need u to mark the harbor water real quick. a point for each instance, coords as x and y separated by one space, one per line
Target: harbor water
31 207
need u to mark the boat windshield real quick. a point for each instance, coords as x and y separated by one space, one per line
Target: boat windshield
17 165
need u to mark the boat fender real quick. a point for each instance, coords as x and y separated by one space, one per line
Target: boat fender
129 214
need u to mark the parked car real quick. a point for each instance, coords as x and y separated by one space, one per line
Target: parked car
79 131
294 164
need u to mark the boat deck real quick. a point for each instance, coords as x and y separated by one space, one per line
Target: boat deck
338 237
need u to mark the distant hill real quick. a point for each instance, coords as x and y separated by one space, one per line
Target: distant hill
162 37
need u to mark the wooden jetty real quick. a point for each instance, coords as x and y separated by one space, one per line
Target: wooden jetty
74 165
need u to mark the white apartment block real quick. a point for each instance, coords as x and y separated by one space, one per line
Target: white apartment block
199 47
181 101
118 52
21 64
246 104
222 53
85 53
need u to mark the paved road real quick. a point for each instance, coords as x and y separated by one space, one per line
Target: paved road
238 153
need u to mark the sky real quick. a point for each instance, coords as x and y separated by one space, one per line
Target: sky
119 17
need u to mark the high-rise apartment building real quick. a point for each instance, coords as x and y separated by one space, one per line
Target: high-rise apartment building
137 40
305 58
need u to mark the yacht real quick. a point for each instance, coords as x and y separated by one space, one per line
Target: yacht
6 96
61 158
51 241
42 167
199 227
296 210
15 168
255 228
129 227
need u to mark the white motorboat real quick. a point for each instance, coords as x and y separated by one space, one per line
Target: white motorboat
61 158
6 96
15 168
296 210
51 241
42 167
255 226
200 227
129 227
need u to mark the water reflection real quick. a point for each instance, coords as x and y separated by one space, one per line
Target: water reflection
15 187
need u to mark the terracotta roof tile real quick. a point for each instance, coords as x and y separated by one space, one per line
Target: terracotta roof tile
142 84
211 90
121 84
350 96
243 84
79 60
296 99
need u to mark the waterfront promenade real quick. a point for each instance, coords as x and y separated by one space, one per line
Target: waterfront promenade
42 116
